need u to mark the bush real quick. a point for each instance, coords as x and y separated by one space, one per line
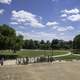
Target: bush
42 59
76 51
7 57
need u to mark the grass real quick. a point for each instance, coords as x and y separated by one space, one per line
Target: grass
33 53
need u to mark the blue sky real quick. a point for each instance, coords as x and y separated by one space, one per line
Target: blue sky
42 19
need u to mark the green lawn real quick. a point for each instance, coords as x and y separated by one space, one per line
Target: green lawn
33 53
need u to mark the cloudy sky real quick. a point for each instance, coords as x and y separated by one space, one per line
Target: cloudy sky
42 19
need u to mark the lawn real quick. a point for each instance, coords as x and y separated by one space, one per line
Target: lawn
33 53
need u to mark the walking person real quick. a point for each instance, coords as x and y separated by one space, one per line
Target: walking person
2 61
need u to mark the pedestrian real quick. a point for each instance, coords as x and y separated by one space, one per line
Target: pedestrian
2 60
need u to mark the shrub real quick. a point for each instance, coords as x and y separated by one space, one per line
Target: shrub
7 57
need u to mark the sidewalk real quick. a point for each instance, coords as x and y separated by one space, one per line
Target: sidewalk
10 62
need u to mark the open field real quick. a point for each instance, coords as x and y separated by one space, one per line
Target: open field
33 53
61 54
44 71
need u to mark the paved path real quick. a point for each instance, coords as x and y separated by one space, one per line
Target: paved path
69 53
10 62
76 54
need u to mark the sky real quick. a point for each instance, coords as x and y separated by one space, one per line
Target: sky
42 19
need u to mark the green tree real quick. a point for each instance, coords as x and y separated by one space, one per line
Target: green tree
18 43
76 42
26 44
36 44
7 37
48 44
42 44
54 44
31 44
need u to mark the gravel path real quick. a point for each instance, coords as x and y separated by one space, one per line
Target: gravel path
43 71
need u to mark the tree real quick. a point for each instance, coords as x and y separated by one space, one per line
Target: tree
31 44
54 43
42 42
36 44
26 44
42 45
76 42
48 45
7 37
18 43
68 44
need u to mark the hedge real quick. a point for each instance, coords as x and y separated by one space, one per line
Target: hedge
7 57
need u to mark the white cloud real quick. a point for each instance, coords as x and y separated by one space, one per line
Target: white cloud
47 36
21 27
54 24
70 28
37 35
62 34
63 19
51 23
54 27
6 1
63 29
75 17
72 11
72 15
27 18
1 11
13 23
64 15
37 25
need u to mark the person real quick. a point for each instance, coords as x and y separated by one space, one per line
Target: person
51 59
27 60
2 61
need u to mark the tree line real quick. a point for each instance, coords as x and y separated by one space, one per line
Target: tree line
9 40
47 45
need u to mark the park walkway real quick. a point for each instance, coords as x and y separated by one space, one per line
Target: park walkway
69 53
